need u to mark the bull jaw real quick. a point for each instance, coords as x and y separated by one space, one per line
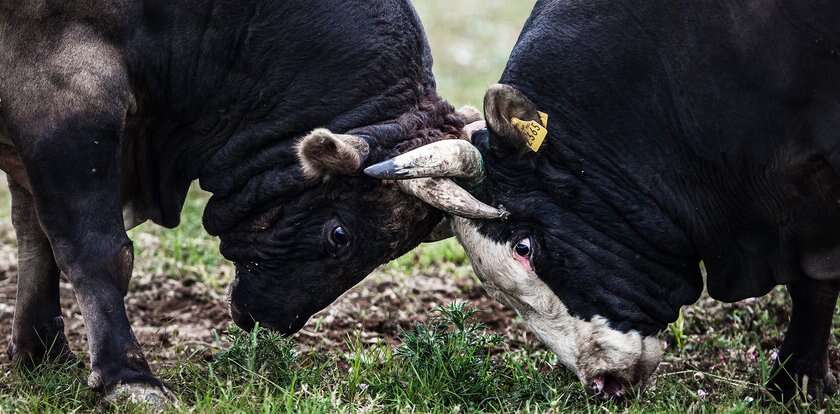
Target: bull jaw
591 348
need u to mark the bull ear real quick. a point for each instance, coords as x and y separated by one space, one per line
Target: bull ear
470 114
323 153
513 119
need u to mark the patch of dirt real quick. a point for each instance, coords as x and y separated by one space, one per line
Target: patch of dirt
170 315
381 307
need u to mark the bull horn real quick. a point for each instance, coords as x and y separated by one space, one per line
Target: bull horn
444 194
454 158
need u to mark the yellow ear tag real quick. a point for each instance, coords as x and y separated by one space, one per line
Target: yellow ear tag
534 131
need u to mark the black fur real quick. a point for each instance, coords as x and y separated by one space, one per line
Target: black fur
154 94
679 132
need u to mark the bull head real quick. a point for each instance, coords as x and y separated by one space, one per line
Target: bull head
528 262
338 224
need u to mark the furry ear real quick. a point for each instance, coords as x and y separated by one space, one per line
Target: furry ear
322 153
473 121
502 104
470 114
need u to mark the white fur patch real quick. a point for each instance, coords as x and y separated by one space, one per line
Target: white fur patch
589 348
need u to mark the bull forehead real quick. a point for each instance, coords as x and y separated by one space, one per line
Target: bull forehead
588 348
402 209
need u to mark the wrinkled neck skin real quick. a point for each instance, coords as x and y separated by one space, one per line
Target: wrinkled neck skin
229 91
231 87
242 189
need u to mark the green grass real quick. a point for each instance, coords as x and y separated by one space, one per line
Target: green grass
449 364
471 42
186 251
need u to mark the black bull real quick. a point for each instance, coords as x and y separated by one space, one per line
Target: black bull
109 110
676 132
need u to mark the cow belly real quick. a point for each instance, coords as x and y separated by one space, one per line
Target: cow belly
132 216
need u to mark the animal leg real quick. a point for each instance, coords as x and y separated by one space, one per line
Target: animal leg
38 329
803 359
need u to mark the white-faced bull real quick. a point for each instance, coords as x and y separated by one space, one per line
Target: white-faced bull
110 109
677 132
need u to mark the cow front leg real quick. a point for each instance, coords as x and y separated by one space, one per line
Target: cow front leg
803 359
38 329
71 154
77 197
77 202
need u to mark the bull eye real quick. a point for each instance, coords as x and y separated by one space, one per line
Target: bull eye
339 237
523 248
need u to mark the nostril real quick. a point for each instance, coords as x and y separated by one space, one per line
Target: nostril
598 384
608 386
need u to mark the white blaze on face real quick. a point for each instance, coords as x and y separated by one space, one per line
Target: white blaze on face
589 348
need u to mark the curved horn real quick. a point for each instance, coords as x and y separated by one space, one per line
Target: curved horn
454 158
444 194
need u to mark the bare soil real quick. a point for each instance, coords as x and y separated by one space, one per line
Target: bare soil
169 315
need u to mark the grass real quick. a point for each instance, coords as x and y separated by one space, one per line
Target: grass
440 366
449 364
471 41
719 355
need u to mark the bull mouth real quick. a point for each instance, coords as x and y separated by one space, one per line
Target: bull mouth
243 321
248 323
618 384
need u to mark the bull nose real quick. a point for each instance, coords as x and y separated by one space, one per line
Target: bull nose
242 320
285 326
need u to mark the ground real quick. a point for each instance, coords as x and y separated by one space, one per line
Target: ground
402 340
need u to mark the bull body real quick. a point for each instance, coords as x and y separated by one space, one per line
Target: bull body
109 110
677 132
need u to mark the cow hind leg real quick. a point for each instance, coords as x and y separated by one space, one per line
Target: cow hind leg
38 328
803 359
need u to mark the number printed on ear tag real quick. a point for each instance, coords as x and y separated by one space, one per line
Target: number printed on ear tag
534 131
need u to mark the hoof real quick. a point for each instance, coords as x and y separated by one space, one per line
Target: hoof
28 357
48 345
786 388
156 398
830 383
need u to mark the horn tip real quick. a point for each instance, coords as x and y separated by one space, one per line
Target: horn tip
384 170
504 215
